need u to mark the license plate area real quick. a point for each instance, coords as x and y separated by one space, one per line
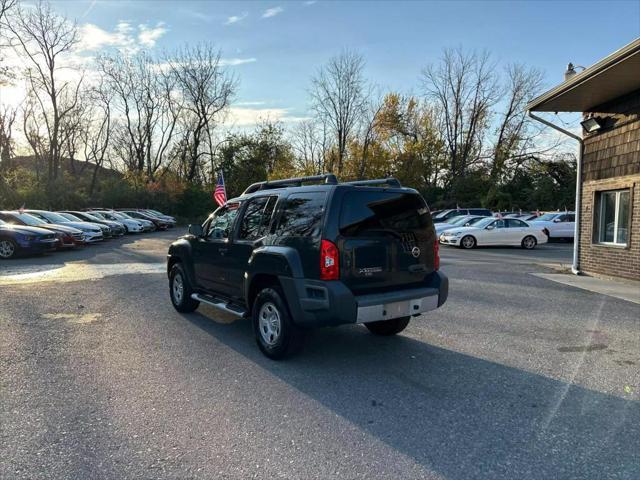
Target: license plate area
404 308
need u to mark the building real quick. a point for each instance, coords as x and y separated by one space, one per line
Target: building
608 190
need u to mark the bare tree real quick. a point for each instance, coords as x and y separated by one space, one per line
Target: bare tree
206 90
515 134
7 119
370 119
339 98
310 142
143 97
463 87
97 135
43 38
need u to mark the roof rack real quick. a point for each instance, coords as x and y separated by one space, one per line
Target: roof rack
392 182
327 178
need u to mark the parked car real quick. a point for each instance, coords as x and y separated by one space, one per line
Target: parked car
129 224
492 231
91 232
115 229
557 225
293 257
106 231
461 221
168 218
68 236
18 239
157 222
446 215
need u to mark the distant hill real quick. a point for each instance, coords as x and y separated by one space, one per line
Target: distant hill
79 168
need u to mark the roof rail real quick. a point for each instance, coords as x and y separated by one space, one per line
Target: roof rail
392 182
327 178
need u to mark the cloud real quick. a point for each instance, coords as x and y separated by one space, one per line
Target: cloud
148 36
124 37
236 18
272 12
243 116
310 2
232 62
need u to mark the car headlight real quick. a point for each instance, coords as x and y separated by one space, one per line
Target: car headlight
27 238
456 234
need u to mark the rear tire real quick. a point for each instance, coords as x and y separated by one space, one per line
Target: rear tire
468 242
180 290
8 248
388 327
529 242
276 334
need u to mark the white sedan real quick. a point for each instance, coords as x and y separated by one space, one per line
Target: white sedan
461 221
493 231
557 225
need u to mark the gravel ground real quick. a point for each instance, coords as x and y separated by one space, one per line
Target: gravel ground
516 377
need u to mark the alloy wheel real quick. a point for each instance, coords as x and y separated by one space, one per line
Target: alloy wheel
178 288
269 323
6 249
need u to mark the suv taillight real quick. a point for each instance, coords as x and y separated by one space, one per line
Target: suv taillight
436 255
329 263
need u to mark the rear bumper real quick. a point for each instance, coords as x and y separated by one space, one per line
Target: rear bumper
315 303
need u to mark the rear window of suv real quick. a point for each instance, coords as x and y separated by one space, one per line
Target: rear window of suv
302 215
372 212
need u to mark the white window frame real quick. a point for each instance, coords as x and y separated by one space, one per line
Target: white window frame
602 227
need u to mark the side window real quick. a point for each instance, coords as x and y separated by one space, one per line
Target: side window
257 218
570 217
514 223
302 215
221 223
499 224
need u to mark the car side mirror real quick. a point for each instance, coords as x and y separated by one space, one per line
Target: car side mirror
490 227
196 230
556 220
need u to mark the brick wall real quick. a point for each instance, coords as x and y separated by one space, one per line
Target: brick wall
610 260
611 161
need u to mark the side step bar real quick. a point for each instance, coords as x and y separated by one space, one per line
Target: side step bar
221 305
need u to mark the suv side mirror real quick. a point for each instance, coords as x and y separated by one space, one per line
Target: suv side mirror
196 230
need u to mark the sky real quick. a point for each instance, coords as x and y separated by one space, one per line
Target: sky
275 47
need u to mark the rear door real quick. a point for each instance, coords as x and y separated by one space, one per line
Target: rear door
386 240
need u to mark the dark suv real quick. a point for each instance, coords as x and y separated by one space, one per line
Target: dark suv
292 256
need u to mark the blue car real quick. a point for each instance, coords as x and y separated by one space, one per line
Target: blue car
17 239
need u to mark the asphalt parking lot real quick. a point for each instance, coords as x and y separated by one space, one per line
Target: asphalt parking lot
516 377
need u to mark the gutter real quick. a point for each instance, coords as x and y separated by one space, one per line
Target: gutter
575 267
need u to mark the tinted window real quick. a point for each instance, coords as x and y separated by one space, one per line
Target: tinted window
221 223
514 223
382 211
500 224
257 218
570 217
302 215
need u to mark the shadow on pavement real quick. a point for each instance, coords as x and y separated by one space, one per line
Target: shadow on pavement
459 416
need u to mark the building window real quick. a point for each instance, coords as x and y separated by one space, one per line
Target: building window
613 213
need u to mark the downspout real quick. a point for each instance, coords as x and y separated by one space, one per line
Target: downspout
575 267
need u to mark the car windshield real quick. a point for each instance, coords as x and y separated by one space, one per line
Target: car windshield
484 222
459 220
91 218
71 217
121 215
475 220
442 214
97 215
2 222
547 217
30 219
54 217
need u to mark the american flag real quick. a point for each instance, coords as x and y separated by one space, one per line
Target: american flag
220 193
